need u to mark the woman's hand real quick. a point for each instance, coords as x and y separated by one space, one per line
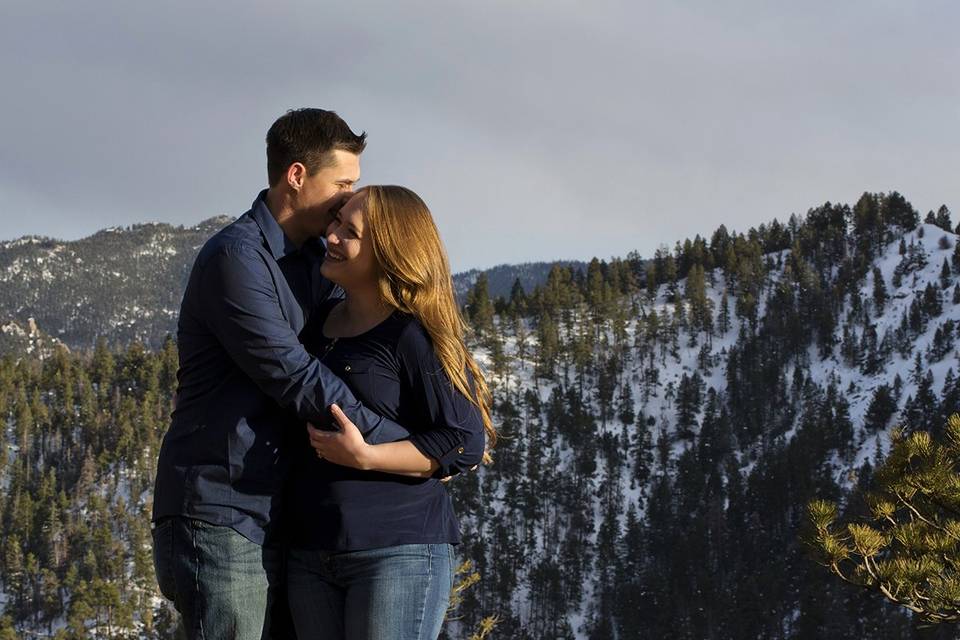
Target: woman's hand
345 447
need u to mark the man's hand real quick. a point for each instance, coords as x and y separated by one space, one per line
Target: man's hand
345 447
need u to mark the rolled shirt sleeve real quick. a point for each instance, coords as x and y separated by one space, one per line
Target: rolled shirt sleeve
454 435
243 310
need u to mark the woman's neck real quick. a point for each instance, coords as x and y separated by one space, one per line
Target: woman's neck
362 309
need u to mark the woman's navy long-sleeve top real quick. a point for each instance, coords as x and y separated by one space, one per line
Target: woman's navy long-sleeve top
394 371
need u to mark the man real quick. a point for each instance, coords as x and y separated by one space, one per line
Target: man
246 386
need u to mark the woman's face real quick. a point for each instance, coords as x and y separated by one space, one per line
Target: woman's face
350 261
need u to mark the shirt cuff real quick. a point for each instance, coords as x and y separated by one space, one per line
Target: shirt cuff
443 445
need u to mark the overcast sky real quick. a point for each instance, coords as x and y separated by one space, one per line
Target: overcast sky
534 130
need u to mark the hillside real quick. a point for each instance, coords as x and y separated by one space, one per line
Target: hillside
125 284
664 424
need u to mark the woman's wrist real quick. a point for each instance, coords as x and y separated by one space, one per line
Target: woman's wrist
368 457
395 457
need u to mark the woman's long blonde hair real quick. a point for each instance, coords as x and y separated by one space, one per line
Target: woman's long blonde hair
415 278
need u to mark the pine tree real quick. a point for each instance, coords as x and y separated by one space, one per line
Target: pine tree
909 551
625 405
918 371
480 307
871 359
7 630
548 346
932 305
868 226
881 409
518 299
943 218
104 366
701 315
723 317
642 451
689 398
879 291
651 280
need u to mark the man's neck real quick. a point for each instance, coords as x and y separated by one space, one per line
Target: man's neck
283 212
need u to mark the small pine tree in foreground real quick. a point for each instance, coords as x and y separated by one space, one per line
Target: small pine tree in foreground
466 577
909 550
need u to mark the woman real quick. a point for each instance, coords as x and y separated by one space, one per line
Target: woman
371 549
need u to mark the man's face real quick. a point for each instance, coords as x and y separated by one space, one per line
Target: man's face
325 191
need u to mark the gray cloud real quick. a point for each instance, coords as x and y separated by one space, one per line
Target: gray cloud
534 130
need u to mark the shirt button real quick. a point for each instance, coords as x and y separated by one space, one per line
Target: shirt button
460 450
347 368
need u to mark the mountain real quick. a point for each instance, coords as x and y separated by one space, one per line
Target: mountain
662 445
28 339
122 283
126 283
662 431
500 278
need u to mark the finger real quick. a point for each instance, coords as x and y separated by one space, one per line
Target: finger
339 416
343 422
320 432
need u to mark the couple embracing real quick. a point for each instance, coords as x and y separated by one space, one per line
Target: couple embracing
324 394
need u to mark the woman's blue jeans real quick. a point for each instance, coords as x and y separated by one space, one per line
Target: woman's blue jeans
392 593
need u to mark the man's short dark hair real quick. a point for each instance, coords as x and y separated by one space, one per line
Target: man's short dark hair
309 136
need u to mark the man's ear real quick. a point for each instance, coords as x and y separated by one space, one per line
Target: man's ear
296 174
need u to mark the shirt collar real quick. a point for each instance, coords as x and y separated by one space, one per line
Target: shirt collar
277 241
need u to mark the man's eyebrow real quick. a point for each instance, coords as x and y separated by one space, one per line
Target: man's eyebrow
346 181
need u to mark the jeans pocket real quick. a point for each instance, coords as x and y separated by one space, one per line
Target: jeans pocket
163 558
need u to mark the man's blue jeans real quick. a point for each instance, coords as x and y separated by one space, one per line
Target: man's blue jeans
219 581
393 593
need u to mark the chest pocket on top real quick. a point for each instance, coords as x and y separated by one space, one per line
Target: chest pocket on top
358 374
372 384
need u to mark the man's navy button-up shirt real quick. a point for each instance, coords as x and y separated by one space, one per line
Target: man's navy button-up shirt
246 385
